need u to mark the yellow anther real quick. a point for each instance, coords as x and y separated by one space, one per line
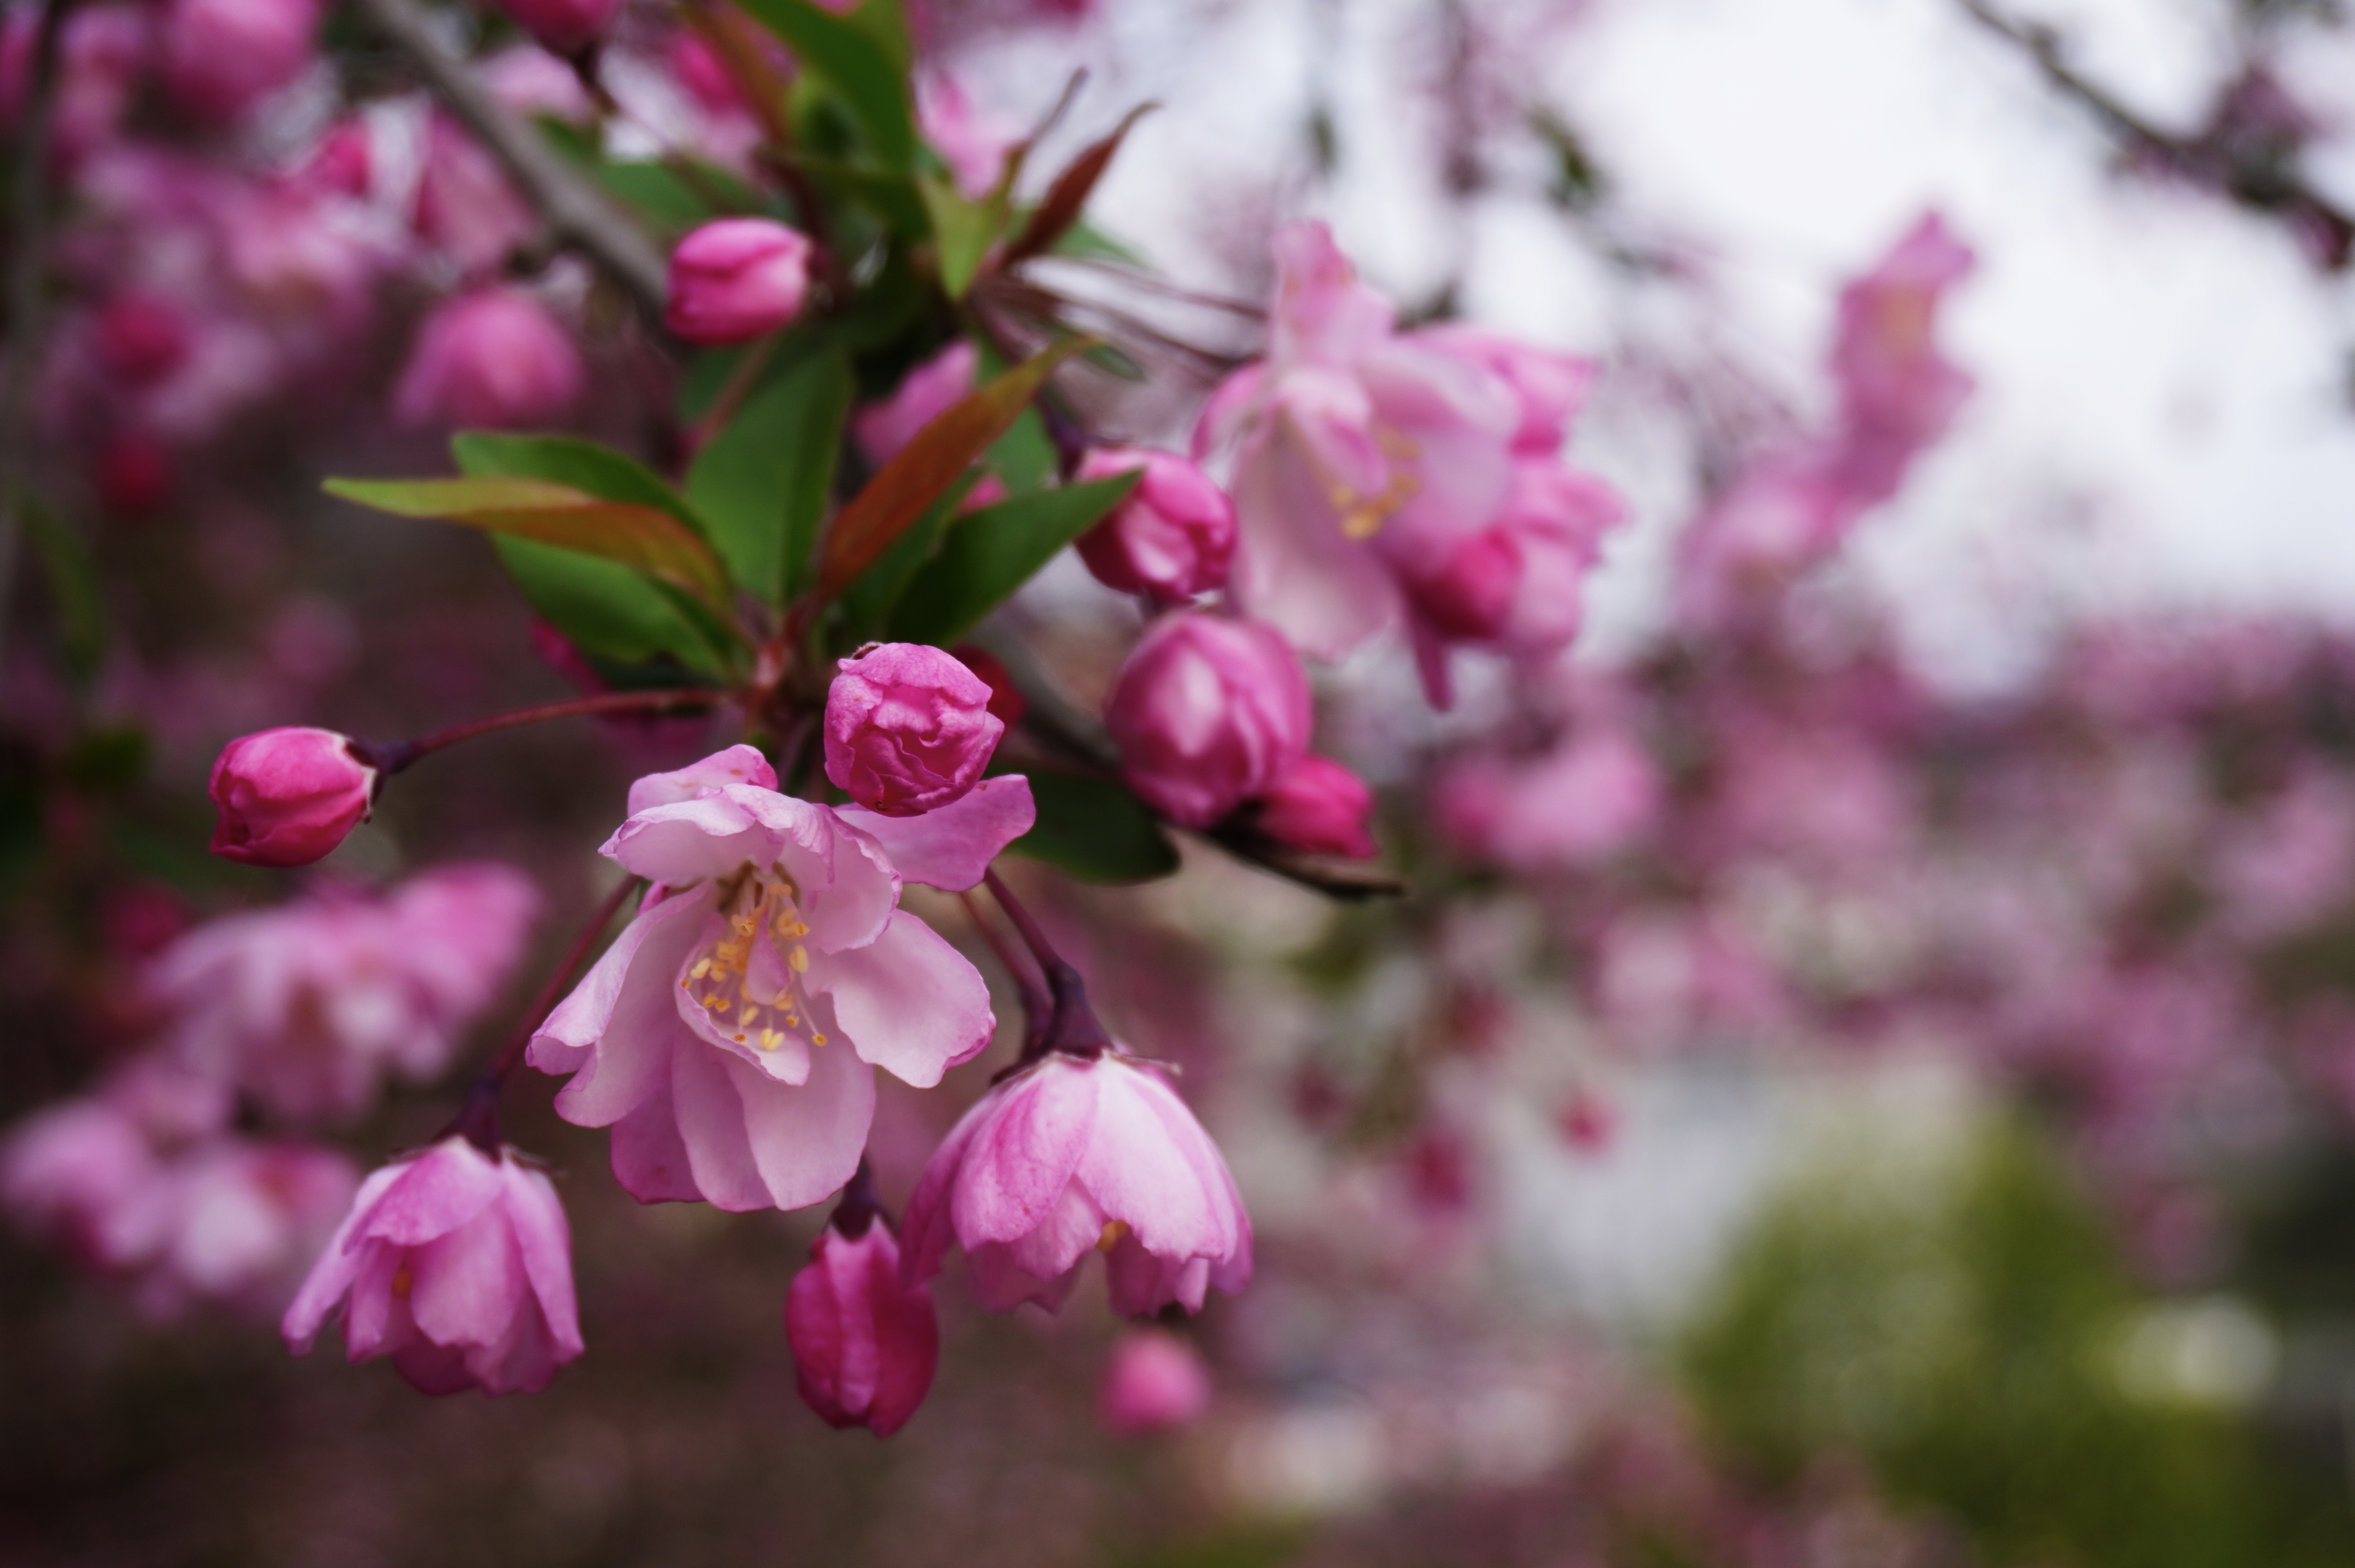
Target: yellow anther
799 960
817 1040
403 1281
1113 1232
702 967
770 1039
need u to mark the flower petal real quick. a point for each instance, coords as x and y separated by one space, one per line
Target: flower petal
711 1125
1019 1161
544 1240
807 1141
466 1287
648 1156
950 846
332 1275
908 1001
437 1193
739 764
689 840
640 1027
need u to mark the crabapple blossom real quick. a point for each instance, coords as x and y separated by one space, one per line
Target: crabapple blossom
1154 1380
734 279
495 357
908 728
973 142
1171 539
456 1264
564 27
309 1006
1076 1155
287 797
1207 711
865 1342
730 1035
466 207
1318 804
221 56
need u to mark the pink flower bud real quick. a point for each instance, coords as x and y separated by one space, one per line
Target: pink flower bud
1171 539
865 1343
457 1265
1081 1155
219 56
495 357
908 728
564 27
134 474
288 796
1207 712
1153 1381
736 278
1318 806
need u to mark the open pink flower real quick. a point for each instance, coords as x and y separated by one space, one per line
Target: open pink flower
1074 1156
309 1006
457 1265
730 1036
865 1342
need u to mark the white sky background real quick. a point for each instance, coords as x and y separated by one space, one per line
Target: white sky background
2163 414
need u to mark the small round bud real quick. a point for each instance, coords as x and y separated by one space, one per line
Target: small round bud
289 796
908 728
735 278
1171 539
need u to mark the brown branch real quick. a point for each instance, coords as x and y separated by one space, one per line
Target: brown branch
575 213
2262 185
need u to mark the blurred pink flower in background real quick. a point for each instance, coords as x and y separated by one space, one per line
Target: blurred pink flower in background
308 1007
1073 1156
495 357
221 56
565 26
924 394
465 207
973 144
457 1264
1153 1381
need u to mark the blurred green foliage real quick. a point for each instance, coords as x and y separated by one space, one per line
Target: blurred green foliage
1963 1336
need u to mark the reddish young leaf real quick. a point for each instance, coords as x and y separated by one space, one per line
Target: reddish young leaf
1068 197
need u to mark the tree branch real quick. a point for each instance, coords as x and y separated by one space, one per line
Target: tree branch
575 213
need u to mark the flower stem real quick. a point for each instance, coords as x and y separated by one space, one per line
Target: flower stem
1037 1007
859 1207
392 756
1072 1027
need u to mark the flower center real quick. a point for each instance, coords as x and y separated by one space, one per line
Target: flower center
748 982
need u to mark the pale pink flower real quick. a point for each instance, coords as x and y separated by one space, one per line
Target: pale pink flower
1207 711
1174 535
68 1171
231 1221
311 1004
730 1036
457 1264
1073 1156
908 728
734 279
529 80
973 144
925 393
288 798
865 1342
221 56
495 357
1593 796
1153 1381
1549 387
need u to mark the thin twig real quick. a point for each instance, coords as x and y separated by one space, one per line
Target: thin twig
392 756
29 253
571 207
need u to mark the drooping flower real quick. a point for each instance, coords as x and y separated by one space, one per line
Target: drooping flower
1078 1155
730 1036
1174 535
733 278
1153 1381
908 728
1207 711
495 357
865 1342
457 1264
288 796
309 1006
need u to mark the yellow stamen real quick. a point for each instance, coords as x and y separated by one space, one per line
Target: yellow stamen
1113 1232
799 960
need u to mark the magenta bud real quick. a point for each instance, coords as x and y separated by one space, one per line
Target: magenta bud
865 1343
1153 1381
495 357
735 278
288 796
1207 712
1318 806
562 26
908 728
1174 535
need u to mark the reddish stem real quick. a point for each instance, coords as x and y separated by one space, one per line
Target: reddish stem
1072 1027
392 756
1037 1005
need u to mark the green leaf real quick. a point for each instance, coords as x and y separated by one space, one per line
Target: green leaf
887 22
569 460
962 230
1023 456
859 66
941 452
989 555
762 484
73 587
608 612
1093 829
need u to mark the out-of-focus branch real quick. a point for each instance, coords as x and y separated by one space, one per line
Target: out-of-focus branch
573 210
28 258
2209 159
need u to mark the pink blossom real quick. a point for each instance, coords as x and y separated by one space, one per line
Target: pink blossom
232 1221
495 357
141 339
68 1171
972 145
530 80
343 162
865 1342
908 728
563 27
1318 806
287 797
1172 538
309 1006
1153 1381
465 207
1593 796
734 279
221 56
925 393
1207 711
1073 1156
730 1036
1549 387
457 1264
103 53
